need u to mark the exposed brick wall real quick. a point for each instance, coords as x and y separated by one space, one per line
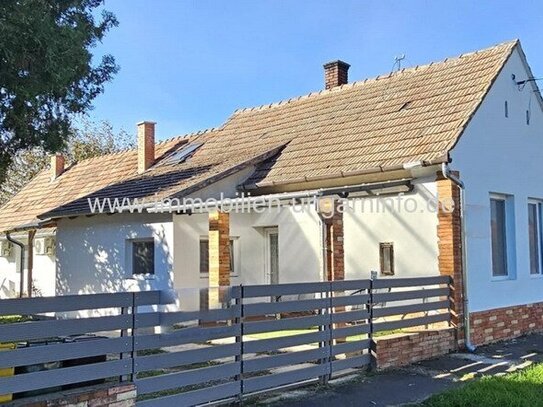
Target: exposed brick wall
219 254
57 165
449 233
404 349
146 145
336 254
116 395
505 323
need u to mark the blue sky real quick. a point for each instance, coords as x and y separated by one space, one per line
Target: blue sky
188 64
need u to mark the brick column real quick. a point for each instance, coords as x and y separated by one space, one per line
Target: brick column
449 233
335 259
219 254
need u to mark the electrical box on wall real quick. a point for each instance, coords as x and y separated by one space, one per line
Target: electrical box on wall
6 248
44 246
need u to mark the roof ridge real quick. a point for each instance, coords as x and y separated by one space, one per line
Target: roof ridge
365 81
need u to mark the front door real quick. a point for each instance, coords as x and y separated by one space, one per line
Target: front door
272 256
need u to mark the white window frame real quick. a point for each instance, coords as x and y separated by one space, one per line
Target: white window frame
539 224
510 237
235 242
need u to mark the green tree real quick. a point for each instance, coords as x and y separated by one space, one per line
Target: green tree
87 140
46 71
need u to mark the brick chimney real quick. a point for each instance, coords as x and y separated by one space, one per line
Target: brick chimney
57 166
336 74
146 145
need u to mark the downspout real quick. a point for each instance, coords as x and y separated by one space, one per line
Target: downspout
21 262
467 325
30 263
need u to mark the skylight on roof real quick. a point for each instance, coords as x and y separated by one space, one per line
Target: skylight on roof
184 153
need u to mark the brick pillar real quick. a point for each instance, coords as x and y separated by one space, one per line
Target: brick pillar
219 254
334 246
449 233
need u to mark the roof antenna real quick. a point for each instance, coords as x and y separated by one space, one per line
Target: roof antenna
398 62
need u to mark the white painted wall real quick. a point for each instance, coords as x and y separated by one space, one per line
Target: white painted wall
299 249
43 272
501 155
412 231
93 254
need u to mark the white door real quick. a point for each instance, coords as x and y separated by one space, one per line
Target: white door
272 256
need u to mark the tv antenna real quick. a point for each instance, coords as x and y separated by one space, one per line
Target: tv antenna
398 62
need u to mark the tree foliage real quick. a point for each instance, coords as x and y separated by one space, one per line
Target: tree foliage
87 140
47 74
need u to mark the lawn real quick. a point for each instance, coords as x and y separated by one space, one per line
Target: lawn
519 389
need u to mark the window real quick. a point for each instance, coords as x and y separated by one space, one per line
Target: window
204 255
534 235
498 230
143 257
386 258
506 109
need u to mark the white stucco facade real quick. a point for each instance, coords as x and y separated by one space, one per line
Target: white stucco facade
94 253
43 275
502 155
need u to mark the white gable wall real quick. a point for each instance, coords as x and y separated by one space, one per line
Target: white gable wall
501 155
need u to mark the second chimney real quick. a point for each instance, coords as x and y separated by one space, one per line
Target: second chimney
336 74
146 145
57 166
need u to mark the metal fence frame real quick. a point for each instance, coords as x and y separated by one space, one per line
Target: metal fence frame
343 317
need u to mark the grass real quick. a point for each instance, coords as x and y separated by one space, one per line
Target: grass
12 319
519 389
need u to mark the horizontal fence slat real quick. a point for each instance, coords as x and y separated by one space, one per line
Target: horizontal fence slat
350 316
347 347
187 378
359 299
351 331
149 319
264 345
283 359
349 363
412 308
172 359
410 282
252 327
267 290
68 375
185 335
63 327
410 322
284 306
341 285
410 295
195 397
64 351
149 298
279 379
40 305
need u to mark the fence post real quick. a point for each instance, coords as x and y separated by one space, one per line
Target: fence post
327 327
239 339
125 332
373 348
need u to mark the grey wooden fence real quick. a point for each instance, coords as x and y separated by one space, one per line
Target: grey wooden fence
263 337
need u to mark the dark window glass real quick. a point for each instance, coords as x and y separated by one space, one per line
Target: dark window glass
386 257
499 239
204 256
143 257
534 230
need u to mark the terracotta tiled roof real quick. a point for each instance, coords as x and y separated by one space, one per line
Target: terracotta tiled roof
375 125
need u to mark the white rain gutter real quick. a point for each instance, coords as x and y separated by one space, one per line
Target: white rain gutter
467 325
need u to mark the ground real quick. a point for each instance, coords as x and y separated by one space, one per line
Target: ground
415 384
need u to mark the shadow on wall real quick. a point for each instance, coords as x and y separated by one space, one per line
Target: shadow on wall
94 256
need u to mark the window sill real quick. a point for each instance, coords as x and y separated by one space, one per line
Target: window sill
142 277
502 278
536 276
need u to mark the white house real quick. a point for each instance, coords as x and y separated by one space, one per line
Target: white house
398 149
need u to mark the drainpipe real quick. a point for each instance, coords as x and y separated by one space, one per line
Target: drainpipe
467 325
21 262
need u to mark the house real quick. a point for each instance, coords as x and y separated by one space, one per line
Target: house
445 156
